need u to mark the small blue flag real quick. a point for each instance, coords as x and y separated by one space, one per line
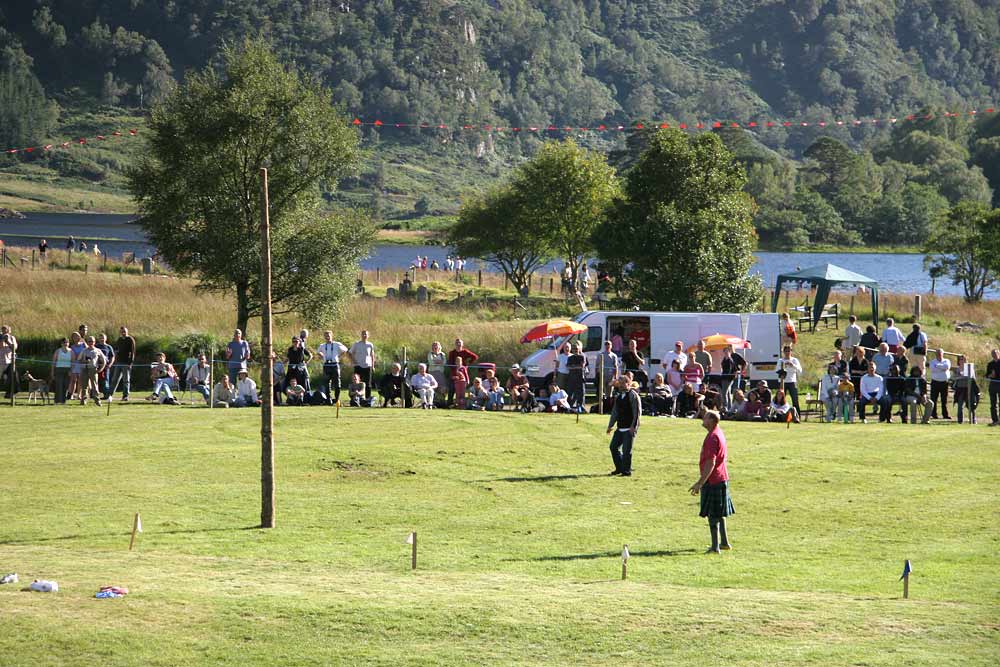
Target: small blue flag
907 569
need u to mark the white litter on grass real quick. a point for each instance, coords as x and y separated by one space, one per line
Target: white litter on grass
9 578
624 502
44 586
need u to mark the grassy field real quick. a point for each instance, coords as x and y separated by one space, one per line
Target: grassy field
519 535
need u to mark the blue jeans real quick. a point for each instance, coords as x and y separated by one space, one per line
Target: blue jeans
202 389
163 384
496 401
621 450
123 377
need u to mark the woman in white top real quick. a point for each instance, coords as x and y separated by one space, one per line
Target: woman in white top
62 360
436 361
562 370
940 374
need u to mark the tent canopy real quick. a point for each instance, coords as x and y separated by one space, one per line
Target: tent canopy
824 277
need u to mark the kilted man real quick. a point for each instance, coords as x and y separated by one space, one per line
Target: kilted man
713 485
625 413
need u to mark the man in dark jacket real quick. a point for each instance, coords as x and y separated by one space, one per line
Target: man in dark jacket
625 413
124 358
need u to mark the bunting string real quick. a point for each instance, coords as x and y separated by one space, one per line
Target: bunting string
634 126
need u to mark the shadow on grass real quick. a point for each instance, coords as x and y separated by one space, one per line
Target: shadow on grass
541 478
27 542
612 554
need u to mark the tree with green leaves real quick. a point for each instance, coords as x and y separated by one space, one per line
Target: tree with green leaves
565 192
26 116
683 238
961 242
198 187
494 227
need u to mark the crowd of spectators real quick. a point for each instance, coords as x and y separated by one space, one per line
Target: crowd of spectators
887 375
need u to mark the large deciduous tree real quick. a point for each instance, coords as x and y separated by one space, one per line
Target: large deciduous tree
493 227
683 237
961 242
566 192
198 187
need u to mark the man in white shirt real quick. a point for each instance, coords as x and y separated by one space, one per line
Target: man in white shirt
678 354
852 335
873 392
363 355
246 391
199 378
424 384
940 374
828 392
8 349
330 352
892 336
791 367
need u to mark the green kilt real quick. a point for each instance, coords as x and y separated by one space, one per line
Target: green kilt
715 500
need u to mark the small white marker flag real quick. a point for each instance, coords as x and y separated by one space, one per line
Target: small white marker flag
625 553
409 538
138 523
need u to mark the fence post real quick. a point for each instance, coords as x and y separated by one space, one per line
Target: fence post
480 277
378 276
32 260
917 307
105 261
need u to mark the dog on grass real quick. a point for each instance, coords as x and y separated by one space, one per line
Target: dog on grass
37 389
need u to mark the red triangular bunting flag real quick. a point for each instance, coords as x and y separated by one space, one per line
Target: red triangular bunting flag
356 121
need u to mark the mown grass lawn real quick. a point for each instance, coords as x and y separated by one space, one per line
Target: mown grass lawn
520 533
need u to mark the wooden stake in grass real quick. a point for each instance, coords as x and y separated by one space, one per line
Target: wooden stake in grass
905 578
625 562
267 394
338 409
411 539
136 528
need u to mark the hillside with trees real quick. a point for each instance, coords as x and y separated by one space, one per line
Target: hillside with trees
66 65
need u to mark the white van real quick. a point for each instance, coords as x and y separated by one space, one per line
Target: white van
656 333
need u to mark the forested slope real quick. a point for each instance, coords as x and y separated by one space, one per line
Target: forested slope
563 63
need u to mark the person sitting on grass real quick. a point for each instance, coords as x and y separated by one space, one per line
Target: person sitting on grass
199 377
753 410
459 381
660 396
736 405
294 392
558 399
164 380
873 393
763 394
780 409
689 402
495 391
519 387
356 392
424 384
391 385
478 397
246 391
916 394
223 394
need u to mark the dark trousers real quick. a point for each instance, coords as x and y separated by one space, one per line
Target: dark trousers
575 390
366 377
123 378
331 381
621 450
6 378
939 390
995 401
60 381
884 407
792 392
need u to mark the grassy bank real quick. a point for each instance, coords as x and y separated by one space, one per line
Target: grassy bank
519 535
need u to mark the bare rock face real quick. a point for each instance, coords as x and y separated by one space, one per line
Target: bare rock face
10 213
470 32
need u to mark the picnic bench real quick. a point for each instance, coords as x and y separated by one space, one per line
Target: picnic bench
831 313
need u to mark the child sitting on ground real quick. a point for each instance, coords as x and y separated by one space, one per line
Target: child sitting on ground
295 392
356 391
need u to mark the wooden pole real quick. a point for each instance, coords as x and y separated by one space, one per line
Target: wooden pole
32 260
906 586
552 286
600 386
480 277
852 305
378 276
917 307
338 409
211 377
413 550
135 529
624 562
267 406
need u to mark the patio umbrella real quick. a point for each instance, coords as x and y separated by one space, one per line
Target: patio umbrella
553 328
719 341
